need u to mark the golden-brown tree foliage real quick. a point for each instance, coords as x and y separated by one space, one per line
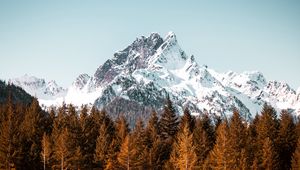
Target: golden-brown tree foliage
296 157
128 157
270 156
219 156
46 149
183 155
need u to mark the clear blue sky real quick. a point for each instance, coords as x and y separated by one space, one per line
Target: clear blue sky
60 39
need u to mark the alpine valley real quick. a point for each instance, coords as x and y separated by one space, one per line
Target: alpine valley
140 77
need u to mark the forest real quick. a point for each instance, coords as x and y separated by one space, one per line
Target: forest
67 138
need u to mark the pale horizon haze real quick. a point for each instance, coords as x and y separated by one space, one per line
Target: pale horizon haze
58 40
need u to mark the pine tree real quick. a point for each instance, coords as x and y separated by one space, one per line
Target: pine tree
9 139
168 121
90 132
46 149
61 148
65 149
244 164
153 143
251 142
76 159
204 138
296 157
255 165
122 128
32 131
168 130
104 145
128 156
237 140
287 139
183 155
219 156
267 127
270 157
188 119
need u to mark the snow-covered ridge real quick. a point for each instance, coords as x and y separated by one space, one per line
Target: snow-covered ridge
151 68
38 87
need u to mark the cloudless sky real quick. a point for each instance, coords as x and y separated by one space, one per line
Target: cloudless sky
59 40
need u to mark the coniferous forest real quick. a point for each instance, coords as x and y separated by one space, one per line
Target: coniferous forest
65 138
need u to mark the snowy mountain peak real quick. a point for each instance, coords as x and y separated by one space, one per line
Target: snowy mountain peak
53 89
140 76
38 87
29 81
81 81
170 36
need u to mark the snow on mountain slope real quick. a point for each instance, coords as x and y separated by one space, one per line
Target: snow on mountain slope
39 87
151 68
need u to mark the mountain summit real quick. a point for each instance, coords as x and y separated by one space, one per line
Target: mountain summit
139 77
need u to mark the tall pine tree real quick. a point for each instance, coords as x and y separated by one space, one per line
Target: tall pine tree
183 155
296 157
287 139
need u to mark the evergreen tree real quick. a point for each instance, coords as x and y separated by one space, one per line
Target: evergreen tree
188 119
65 149
32 131
204 138
183 155
168 129
237 141
152 151
9 139
219 155
128 156
267 127
168 121
46 149
255 165
104 147
140 141
296 157
251 142
89 133
270 157
61 149
287 139
122 128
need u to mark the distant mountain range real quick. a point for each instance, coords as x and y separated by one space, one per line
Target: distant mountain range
144 73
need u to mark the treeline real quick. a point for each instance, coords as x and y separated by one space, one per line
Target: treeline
65 139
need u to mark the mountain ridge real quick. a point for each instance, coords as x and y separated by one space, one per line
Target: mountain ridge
152 67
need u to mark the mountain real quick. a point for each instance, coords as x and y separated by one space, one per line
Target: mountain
17 94
139 77
39 87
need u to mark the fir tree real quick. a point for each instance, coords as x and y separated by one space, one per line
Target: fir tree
104 142
168 121
270 157
89 133
168 129
219 156
128 156
183 155
32 131
204 138
287 139
9 139
237 140
296 157
46 149
188 119
267 127
153 143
